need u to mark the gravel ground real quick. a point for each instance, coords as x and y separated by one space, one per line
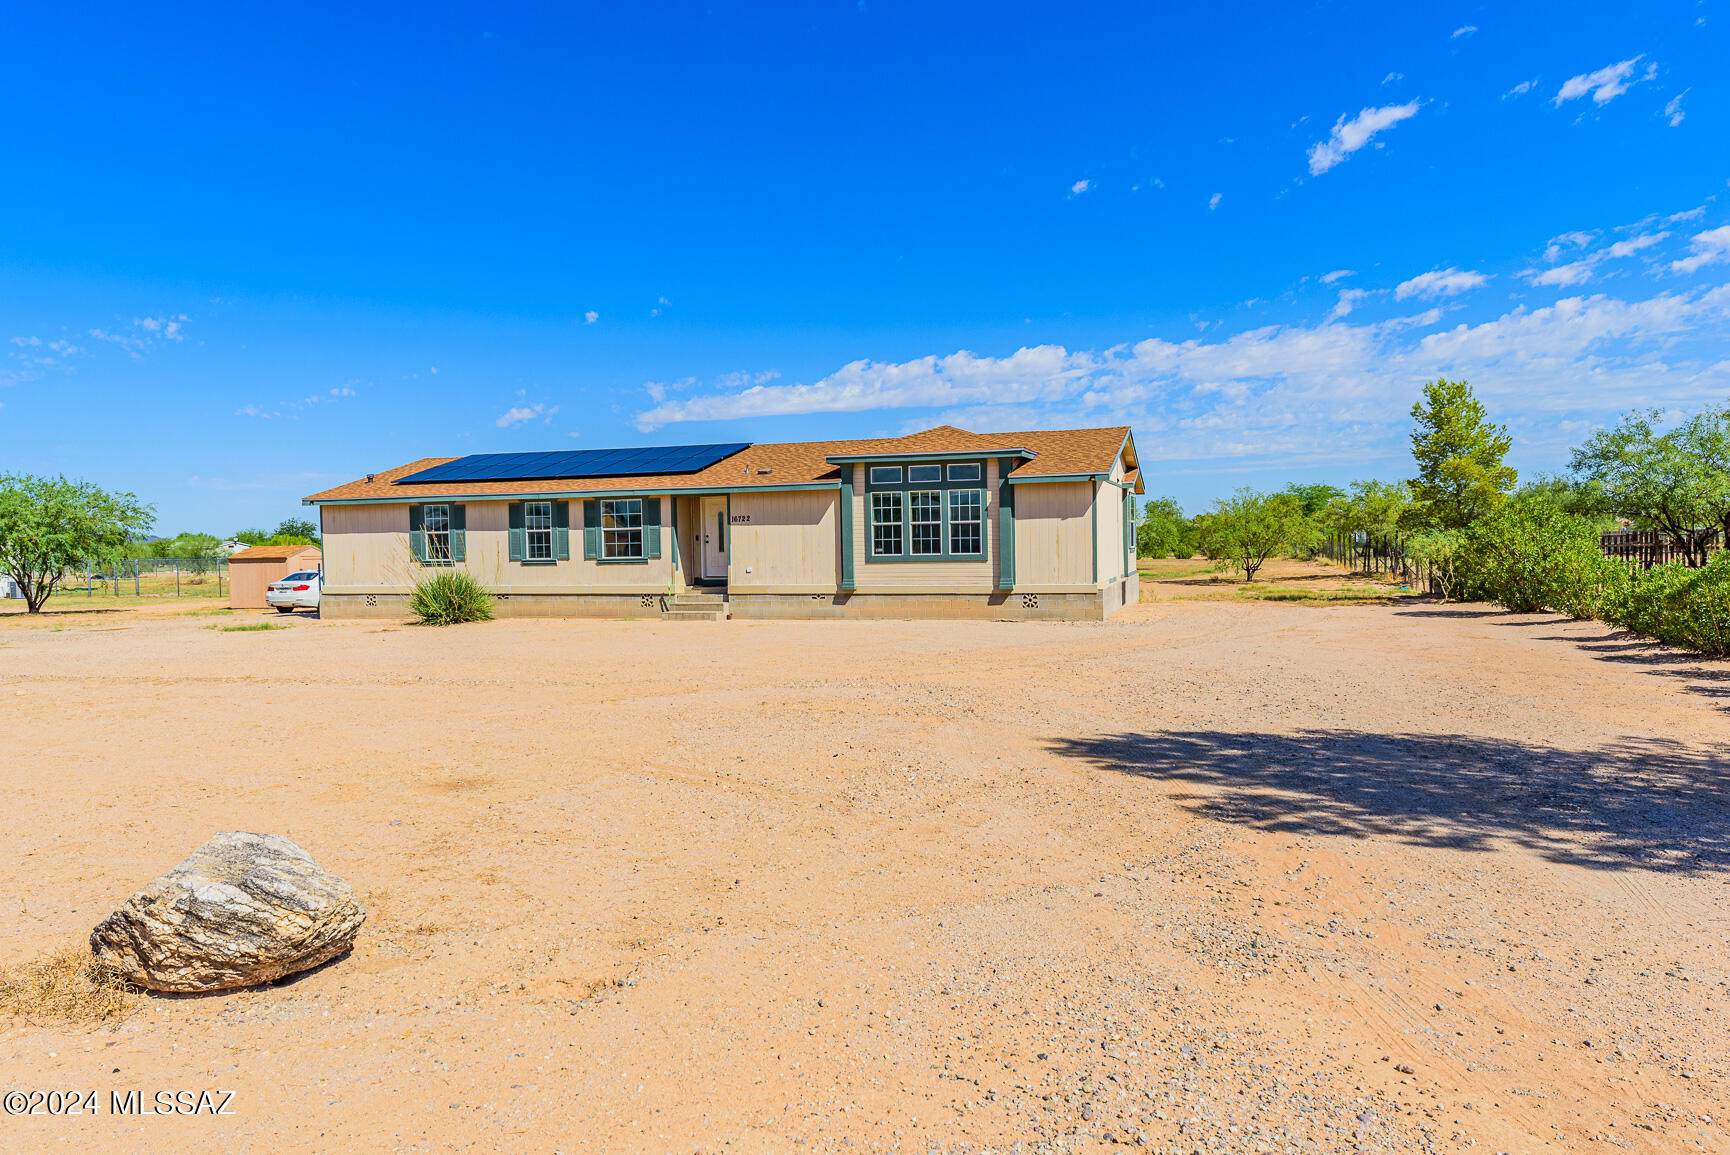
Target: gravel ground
1216 876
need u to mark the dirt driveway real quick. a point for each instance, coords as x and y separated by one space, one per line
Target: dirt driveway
1216 875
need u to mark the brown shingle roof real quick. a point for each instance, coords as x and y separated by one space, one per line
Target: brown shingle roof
271 552
782 463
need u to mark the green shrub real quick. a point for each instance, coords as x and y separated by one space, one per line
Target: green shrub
447 597
1532 556
1674 604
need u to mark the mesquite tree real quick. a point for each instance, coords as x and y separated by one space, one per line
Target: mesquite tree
1676 481
48 525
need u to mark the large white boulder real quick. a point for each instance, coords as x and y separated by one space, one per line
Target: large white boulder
240 910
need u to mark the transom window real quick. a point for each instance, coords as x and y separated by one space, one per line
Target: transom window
886 521
436 521
622 528
926 512
538 528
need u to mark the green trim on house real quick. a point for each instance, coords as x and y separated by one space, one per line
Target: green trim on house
1005 528
673 522
576 494
848 580
1050 477
944 488
951 455
1093 528
1129 546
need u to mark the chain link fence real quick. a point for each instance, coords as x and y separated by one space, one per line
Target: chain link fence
147 577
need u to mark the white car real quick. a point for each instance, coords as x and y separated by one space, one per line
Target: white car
296 591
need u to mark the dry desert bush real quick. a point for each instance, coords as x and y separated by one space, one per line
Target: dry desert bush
67 985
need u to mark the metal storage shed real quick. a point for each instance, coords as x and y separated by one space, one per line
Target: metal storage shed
251 571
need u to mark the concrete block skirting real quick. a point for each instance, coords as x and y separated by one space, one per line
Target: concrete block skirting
999 606
395 606
1011 605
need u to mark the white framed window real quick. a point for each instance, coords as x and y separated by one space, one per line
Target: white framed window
436 521
622 528
925 521
968 471
538 530
966 521
885 475
924 473
886 522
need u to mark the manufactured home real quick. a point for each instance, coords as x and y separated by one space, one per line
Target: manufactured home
939 524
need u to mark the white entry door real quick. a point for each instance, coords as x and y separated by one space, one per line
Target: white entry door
715 538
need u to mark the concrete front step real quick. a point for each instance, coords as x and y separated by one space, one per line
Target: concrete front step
696 606
694 614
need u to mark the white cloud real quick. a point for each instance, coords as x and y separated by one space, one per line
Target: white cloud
590 317
1520 89
342 391
1606 84
28 341
146 331
1080 187
1463 30
1286 394
1440 283
1693 214
1348 299
1338 274
1350 135
1572 273
1575 240
1633 245
1582 269
1673 111
1213 201
518 414
1393 77
168 328
1710 247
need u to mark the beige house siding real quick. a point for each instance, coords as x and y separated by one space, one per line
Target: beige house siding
1053 534
788 541
367 550
972 576
366 547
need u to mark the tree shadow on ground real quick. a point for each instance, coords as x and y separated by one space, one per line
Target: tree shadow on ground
1638 804
1614 645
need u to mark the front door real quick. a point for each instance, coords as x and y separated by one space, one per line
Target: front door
715 538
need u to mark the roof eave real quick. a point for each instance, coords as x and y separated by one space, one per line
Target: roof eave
931 455
675 490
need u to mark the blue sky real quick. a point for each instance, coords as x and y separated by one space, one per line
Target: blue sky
247 253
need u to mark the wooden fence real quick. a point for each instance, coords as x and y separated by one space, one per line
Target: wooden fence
1650 548
1379 554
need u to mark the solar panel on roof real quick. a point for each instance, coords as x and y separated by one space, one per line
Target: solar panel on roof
571 464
